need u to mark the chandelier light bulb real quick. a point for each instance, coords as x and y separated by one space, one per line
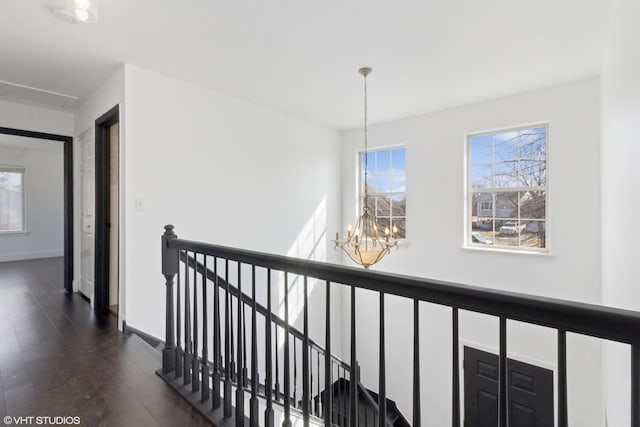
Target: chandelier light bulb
82 3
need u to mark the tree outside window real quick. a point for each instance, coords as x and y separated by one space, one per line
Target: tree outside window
507 188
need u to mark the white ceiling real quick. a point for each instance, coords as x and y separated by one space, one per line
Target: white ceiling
302 56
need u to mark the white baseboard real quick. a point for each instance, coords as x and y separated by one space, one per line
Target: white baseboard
30 255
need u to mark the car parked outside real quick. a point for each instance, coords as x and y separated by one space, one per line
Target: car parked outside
511 228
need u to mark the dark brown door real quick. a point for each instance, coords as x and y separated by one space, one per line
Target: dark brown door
530 392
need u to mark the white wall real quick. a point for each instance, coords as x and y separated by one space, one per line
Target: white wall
435 225
44 197
35 118
620 198
223 171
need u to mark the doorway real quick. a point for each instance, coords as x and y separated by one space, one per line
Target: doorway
107 224
67 194
529 392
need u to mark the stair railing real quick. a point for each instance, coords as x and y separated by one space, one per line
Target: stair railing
183 367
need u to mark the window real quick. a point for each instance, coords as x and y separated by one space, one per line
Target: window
11 199
386 186
507 189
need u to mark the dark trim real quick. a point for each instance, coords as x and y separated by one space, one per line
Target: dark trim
102 208
149 339
68 194
587 319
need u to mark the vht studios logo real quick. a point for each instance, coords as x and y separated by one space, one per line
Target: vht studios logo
60 421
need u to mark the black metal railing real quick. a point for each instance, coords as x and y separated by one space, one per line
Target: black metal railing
337 396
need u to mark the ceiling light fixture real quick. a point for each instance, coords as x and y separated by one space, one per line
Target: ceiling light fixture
83 11
367 244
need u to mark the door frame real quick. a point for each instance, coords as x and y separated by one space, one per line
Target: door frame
102 208
68 194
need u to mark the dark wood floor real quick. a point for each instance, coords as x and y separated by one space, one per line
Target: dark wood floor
57 358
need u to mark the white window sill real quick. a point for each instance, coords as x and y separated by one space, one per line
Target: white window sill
488 248
14 233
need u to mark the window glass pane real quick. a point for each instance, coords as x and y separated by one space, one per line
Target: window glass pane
506 205
398 181
383 160
534 234
506 174
482 205
505 146
481 149
399 206
533 143
399 159
481 176
533 205
11 201
378 182
533 173
383 205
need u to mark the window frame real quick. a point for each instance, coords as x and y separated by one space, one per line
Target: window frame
22 171
360 183
469 191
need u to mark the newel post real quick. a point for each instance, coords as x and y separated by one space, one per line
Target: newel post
169 270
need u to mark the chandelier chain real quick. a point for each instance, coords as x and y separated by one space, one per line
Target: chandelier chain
366 157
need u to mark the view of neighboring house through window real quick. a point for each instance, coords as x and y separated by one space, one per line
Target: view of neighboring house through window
11 199
507 189
386 187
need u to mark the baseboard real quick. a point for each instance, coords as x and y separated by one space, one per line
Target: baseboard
31 255
150 339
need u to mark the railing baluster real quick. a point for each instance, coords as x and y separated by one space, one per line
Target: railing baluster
353 379
268 384
240 379
170 267
317 399
245 369
635 385
227 345
455 369
502 375
416 362
205 337
215 401
179 354
188 344
328 369
563 419
287 383
382 373
195 371
305 357
277 385
295 373
254 352
232 342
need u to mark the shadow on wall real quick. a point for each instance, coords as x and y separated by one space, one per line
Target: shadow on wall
311 244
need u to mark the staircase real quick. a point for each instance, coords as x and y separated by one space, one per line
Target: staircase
240 363
191 373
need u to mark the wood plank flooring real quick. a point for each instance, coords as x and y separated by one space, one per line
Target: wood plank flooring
57 358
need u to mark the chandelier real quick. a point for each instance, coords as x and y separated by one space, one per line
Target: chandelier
367 243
